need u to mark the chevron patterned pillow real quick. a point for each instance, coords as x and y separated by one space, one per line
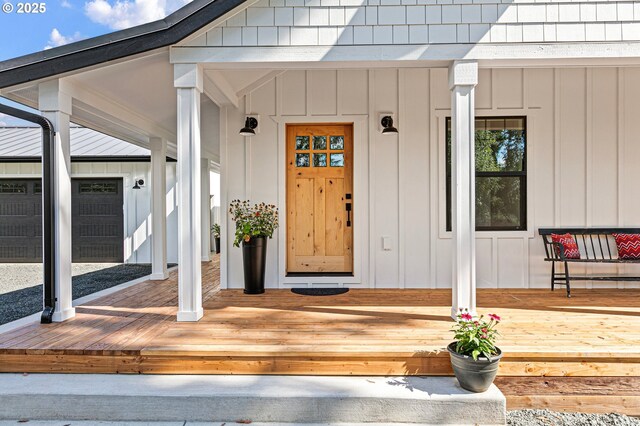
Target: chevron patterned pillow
569 243
628 245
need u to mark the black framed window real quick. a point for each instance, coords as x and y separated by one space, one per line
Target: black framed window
501 173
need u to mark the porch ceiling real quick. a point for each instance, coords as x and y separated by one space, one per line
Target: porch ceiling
136 99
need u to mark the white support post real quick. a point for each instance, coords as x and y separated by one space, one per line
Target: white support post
463 77
188 81
158 209
205 187
55 105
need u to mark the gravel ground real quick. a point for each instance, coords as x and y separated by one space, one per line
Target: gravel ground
21 284
552 418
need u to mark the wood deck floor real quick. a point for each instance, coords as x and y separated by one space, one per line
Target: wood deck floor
597 332
593 336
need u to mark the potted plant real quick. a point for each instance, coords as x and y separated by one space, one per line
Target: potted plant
215 231
254 224
474 355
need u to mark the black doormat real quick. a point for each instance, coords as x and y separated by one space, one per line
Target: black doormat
319 291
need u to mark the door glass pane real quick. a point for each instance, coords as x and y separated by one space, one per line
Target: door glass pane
337 160
498 202
302 142
319 142
319 160
337 142
302 160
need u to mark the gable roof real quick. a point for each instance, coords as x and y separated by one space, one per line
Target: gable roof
24 142
120 44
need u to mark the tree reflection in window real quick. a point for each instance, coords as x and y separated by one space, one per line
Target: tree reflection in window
500 160
302 160
337 160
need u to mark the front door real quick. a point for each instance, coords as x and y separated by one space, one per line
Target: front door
320 199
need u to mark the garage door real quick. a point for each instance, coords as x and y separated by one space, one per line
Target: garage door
20 220
97 221
98 227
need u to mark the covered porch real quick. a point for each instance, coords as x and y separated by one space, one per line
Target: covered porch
412 218
577 351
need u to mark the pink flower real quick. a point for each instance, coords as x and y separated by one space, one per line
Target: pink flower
484 330
494 317
466 316
484 336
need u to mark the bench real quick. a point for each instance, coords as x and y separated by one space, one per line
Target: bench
596 245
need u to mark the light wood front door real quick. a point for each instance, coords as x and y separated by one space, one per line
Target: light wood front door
320 198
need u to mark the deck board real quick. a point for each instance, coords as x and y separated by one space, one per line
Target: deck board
375 332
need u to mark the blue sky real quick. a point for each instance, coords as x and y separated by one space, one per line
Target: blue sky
66 21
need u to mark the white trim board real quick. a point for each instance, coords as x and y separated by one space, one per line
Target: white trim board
514 55
439 116
360 172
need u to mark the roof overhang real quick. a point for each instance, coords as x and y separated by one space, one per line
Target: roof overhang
114 46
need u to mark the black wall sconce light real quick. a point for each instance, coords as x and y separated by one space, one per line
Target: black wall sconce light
387 126
138 183
250 125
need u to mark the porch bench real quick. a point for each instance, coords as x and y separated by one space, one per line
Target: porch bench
596 245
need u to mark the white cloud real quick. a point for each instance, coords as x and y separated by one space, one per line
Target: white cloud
66 4
56 39
122 14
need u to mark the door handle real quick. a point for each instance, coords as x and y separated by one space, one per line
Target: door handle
348 207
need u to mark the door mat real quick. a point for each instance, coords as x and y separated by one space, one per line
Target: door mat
319 291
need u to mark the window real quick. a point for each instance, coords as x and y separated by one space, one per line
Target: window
13 188
501 175
321 153
99 188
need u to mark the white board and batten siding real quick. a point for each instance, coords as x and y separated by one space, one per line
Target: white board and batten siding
137 202
582 156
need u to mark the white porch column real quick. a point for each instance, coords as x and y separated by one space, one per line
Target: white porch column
158 209
205 188
188 81
463 77
55 105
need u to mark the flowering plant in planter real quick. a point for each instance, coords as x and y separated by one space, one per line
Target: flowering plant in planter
259 220
474 354
476 337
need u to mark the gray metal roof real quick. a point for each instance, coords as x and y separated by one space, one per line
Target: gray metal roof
26 142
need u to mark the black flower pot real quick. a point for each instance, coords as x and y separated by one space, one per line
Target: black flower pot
254 259
474 375
217 244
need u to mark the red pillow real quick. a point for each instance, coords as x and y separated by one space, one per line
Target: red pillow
569 243
628 245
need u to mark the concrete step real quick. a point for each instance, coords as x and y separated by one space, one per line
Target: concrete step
268 399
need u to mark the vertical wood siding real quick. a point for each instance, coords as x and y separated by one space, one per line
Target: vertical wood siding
583 157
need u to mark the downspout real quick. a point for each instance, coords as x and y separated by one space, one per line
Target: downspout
48 152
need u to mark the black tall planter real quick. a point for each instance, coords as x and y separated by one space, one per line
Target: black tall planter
217 241
254 259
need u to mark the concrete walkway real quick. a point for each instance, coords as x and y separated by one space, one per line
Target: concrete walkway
185 423
269 399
